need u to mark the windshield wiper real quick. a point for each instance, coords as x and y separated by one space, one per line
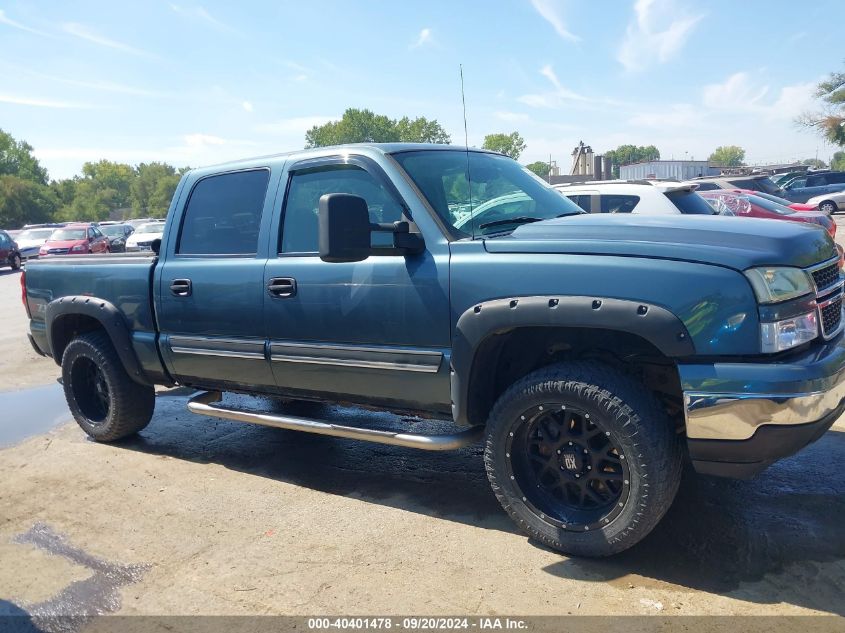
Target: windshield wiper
521 219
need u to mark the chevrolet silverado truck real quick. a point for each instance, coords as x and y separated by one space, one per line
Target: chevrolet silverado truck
592 354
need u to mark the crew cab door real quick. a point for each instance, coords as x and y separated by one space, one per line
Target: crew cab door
210 290
373 331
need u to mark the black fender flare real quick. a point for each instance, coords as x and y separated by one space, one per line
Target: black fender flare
112 321
655 324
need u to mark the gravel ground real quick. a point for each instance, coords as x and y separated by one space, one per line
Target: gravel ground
203 516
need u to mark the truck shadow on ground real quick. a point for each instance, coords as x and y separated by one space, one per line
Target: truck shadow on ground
761 541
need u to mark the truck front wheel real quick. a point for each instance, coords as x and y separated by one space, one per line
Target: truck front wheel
103 399
582 458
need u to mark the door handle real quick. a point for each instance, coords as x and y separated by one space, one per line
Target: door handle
181 287
282 287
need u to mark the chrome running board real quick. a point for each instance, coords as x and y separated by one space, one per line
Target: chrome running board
204 404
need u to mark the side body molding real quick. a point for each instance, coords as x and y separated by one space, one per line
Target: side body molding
108 316
655 324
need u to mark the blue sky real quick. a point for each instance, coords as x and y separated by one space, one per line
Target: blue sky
201 83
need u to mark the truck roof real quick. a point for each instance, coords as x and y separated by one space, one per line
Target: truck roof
329 150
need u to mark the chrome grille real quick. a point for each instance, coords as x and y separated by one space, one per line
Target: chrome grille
831 316
826 277
58 251
829 283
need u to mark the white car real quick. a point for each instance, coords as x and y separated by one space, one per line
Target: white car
30 241
829 202
144 236
649 197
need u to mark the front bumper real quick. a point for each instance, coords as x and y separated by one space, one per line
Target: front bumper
742 417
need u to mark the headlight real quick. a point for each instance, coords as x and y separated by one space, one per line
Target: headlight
788 333
79 248
773 285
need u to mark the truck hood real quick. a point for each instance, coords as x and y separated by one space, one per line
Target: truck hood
738 243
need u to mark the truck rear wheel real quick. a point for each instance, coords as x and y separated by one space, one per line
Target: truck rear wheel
103 399
582 458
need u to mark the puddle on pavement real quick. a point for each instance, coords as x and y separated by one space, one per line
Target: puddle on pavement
30 412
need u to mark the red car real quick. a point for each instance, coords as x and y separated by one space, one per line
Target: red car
795 206
75 239
750 205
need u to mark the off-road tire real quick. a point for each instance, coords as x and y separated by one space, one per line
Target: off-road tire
638 426
128 405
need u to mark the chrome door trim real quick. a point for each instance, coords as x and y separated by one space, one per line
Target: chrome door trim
221 347
360 356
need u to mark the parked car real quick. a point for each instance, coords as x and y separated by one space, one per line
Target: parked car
795 206
814 185
9 254
75 239
751 206
117 234
144 236
650 197
592 353
829 202
754 183
30 241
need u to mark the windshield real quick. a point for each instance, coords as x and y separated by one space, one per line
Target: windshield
689 202
34 234
113 230
151 228
502 195
68 234
772 198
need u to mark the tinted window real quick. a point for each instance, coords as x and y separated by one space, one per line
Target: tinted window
4 241
618 203
689 203
223 215
756 184
299 229
582 201
816 181
836 178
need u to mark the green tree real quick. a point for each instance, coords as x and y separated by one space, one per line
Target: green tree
152 188
728 156
508 144
830 120
25 202
16 159
421 130
814 163
838 161
630 154
365 126
541 168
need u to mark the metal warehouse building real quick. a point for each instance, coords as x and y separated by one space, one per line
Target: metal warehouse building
669 169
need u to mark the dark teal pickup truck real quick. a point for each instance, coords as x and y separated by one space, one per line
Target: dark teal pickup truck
591 354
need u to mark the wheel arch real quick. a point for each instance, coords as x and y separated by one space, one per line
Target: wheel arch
73 315
497 342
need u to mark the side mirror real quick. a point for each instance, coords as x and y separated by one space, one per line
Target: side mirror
155 245
344 228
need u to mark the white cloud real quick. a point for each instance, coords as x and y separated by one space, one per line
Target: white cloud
678 115
554 98
40 103
201 140
17 25
552 12
247 105
741 93
201 14
423 38
658 30
90 35
511 117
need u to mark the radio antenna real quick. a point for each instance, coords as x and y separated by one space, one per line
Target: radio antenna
466 148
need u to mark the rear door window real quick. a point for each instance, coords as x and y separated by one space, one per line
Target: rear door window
708 186
223 215
618 203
